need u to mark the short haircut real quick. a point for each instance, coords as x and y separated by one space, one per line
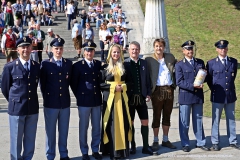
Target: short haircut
160 40
135 43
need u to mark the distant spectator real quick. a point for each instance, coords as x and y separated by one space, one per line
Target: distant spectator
94 16
8 15
63 3
99 8
116 8
8 44
40 11
40 35
48 6
28 13
113 4
18 29
104 35
84 18
122 24
32 24
99 20
69 13
88 33
111 25
18 10
119 37
109 15
54 6
4 3
50 36
77 37
48 18
34 52
34 8
121 14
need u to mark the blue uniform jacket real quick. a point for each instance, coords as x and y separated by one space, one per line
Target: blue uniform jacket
220 80
85 83
185 76
20 88
54 83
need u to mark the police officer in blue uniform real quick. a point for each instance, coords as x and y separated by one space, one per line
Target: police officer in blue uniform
85 84
19 86
54 82
190 98
222 72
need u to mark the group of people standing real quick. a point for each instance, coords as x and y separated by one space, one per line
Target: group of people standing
110 95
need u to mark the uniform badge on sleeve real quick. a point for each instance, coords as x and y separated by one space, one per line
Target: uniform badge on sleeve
143 68
233 74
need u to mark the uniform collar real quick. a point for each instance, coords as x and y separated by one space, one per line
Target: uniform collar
23 61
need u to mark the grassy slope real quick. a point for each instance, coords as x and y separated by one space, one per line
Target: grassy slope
205 22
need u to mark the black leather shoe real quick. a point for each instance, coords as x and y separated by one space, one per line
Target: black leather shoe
236 146
85 157
147 150
168 144
65 158
205 148
133 150
186 149
215 147
96 155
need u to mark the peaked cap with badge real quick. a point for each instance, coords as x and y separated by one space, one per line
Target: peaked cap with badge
57 42
188 45
221 44
89 46
24 41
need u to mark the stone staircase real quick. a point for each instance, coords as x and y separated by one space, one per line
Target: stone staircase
60 27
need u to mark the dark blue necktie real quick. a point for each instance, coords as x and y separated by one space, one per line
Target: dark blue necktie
224 62
26 66
91 64
191 62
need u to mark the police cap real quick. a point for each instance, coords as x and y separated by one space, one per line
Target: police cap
88 46
221 44
57 42
188 45
24 41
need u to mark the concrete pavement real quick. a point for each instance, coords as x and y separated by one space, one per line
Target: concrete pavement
165 153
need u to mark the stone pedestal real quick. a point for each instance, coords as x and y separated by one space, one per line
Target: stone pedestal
155 25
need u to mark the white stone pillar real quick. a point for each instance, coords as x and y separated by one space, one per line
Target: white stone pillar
155 25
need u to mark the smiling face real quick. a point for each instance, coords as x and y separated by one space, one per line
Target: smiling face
115 54
134 51
188 53
24 52
57 52
89 54
159 48
222 52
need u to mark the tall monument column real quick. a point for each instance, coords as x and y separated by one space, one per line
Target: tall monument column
155 26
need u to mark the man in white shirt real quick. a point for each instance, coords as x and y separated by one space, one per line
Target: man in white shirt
77 37
18 10
161 69
70 11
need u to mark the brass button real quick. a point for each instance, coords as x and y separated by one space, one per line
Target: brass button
17 77
48 93
60 73
93 73
29 98
29 84
82 92
28 77
226 77
93 79
95 93
60 87
226 89
51 73
226 83
60 94
29 91
94 86
194 70
60 81
195 90
85 73
225 71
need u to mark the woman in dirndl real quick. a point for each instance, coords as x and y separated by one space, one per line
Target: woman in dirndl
8 11
116 121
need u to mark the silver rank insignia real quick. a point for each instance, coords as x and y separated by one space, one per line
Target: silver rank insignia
24 39
89 44
59 39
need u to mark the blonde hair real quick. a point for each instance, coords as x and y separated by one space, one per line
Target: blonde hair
111 68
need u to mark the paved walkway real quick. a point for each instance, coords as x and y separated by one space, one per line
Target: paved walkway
165 153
